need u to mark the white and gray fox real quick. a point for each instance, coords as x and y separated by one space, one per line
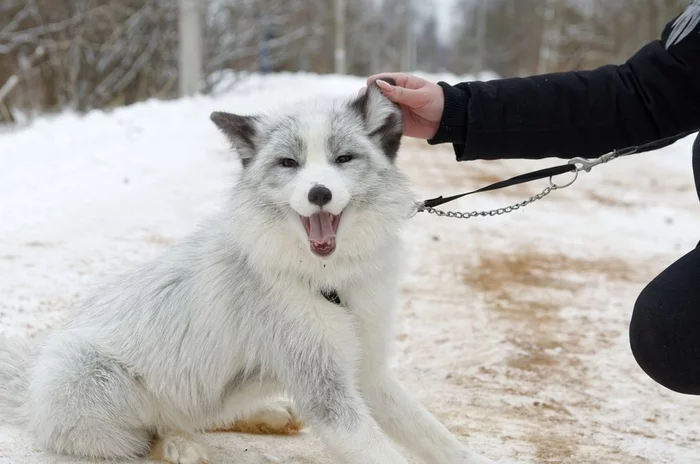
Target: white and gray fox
290 289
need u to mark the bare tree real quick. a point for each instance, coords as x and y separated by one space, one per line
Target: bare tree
104 53
517 37
429 51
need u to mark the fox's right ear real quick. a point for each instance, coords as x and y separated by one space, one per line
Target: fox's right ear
241 132
383 118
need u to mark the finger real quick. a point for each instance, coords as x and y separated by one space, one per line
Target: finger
405 80
403 96
401 78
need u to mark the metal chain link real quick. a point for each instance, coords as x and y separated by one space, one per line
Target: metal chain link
493 212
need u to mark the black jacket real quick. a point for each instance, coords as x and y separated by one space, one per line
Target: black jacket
653 95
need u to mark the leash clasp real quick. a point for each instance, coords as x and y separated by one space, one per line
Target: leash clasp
583 164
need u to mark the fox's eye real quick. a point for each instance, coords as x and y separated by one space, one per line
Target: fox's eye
289 163
344 159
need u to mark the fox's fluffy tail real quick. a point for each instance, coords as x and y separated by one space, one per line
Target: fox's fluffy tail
15 360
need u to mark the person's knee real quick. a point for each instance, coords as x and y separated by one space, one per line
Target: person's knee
654 343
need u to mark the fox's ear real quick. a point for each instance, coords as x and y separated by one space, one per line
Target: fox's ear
241 132
383 118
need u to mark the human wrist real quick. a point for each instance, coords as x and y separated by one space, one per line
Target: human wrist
453 122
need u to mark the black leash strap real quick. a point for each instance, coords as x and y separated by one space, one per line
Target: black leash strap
574 165
521 179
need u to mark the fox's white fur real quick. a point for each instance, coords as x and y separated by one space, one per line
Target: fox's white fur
234 314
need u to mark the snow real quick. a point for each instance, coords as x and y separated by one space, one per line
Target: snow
513 328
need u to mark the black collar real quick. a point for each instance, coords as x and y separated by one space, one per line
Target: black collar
332 296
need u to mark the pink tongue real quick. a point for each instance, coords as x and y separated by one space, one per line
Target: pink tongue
321 228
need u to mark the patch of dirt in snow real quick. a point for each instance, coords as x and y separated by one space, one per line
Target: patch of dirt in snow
546 343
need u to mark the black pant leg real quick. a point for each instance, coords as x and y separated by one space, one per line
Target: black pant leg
665 326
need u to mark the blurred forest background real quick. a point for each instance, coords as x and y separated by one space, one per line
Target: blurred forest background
85 54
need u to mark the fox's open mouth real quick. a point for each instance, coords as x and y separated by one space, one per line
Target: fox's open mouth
321 229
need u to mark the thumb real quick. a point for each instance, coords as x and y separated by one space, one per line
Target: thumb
401 95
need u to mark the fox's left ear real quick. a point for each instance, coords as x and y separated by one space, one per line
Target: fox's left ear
241 131
383 118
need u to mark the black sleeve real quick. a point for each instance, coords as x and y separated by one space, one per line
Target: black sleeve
653 95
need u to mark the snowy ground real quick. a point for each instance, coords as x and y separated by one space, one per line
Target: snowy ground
514 329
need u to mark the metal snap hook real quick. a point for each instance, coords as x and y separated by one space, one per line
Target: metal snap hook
583 164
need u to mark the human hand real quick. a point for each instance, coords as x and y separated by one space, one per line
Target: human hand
421 102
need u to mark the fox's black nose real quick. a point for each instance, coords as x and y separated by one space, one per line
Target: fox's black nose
320 195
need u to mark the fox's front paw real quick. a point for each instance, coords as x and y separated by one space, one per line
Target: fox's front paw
178 449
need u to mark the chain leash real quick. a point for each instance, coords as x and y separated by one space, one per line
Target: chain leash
492 212
581 164
574 165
